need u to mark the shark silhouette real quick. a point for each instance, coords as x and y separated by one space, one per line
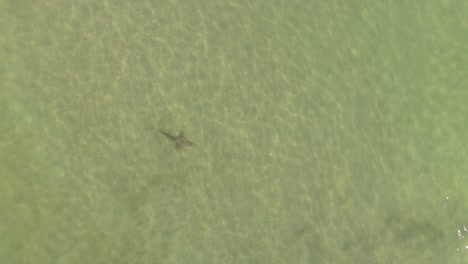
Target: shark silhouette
179 140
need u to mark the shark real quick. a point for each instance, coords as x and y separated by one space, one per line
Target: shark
179 140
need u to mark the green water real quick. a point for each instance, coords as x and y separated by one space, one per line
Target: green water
327 132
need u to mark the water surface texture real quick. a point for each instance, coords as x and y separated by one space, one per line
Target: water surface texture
326 132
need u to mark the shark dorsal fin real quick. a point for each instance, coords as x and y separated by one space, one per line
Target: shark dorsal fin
181 134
